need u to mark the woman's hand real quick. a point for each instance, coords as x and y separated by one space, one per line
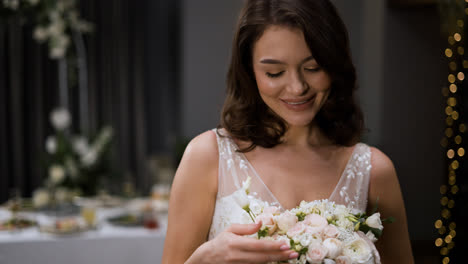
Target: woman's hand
231 246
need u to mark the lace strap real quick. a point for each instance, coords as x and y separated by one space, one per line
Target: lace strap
352 189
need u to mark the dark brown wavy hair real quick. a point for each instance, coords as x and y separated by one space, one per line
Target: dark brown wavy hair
246 117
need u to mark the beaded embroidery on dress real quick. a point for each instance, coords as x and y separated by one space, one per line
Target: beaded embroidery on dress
234 168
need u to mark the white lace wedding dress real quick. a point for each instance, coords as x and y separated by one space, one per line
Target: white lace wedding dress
234 168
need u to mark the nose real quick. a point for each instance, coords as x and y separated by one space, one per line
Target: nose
297 85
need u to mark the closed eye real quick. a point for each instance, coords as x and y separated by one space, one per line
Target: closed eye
312 69
274 75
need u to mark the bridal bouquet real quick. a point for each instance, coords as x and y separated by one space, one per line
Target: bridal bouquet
320 231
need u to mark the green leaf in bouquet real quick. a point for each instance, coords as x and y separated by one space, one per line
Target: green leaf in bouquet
389 220
301 216
263 232
303 251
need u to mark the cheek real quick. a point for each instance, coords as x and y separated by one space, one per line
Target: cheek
267 86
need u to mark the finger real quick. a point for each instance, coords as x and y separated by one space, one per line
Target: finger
252 244
269 257
244 229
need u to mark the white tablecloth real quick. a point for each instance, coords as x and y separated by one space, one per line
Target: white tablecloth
106 245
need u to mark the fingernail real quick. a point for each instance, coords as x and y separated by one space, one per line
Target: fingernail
293 255
284 247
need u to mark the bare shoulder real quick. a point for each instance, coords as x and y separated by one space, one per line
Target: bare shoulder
382 165
203 148
193 196
199 164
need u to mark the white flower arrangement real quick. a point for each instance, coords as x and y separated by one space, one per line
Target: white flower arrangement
320 231
74 162
54 21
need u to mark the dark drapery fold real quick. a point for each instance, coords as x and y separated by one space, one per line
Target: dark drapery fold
128 82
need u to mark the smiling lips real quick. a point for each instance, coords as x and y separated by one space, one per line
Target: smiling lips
297 105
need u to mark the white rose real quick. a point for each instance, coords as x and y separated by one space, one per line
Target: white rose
51 145
57 52
358 251
329 261
334 247
316 253
307 239
374 221
60 118
371 236
256 206
286 220
56 174
40 198
240 197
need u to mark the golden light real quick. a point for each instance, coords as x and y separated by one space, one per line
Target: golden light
453 233
449 110
458 140
454 190
449 132
444 251
461 50
450 153
442 230
460 23
446 260
452 180
453 88
452 226
438 224
461 76
455 115
439 242
453 66
448 53
445 214
455 164
461 152
443 202
449 121
443 189
452 101
462 128
451 78
451 204
457 36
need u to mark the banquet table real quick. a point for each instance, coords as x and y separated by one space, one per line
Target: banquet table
107 244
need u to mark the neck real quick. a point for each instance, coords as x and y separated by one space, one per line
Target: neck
305 136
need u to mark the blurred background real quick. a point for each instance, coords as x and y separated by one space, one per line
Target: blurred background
101 97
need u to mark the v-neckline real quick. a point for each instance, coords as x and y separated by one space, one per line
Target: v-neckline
244 158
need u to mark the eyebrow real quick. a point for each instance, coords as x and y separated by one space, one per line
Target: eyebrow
273 61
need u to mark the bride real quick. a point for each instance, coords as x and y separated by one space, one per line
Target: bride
289 123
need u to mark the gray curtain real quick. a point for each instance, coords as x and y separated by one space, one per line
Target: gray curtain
132 70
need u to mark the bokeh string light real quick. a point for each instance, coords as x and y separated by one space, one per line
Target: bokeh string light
453 135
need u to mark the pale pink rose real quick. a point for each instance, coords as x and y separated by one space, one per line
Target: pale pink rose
271 210
343 260
316 222
330 231
297 229
316 253
286 220
267 221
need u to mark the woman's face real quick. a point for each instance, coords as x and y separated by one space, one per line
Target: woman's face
289 79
